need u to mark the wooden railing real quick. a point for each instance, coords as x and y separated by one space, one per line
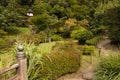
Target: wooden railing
20 66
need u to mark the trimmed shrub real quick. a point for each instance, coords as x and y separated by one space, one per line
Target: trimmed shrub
65 58
81 35
87 50
57 38
108 68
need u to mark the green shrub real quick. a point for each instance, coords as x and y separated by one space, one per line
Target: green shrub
108 68
36 38
2 33
13 30
64 58
42 36
57 38
114 35
46 48
7 41
99 30
2 41
93 41
87 50
81 35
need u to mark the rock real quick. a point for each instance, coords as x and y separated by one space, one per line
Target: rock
88 76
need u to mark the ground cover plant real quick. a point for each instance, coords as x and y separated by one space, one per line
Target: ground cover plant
108 68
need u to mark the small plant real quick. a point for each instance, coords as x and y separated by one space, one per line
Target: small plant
88 50
56 38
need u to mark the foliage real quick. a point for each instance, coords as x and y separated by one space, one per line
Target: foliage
45 65
35 38
26 2
80 12
64 58
7 58
56 38
14 30
114 36
81 35
9 18
88 50
100 30
93 41
28 38
104 17
108 68
45 48
2 33
8 37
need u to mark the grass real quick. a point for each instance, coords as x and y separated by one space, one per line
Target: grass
17 30
7 58
45 47
108 68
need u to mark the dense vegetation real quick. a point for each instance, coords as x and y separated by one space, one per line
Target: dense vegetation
84 21
58 19
45 65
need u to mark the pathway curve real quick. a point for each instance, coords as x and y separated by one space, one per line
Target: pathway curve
86 71
105 46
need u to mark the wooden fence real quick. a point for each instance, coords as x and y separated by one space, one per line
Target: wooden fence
20 66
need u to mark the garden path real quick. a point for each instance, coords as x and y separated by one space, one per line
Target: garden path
106 47
86 71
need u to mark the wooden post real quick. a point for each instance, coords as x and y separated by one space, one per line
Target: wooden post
22 61
91 58
99 52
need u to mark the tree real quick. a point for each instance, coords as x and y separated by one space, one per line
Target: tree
103 16
47 23
26 2
80 12
4 2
